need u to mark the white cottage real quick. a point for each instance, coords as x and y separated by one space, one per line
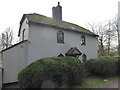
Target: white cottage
41 37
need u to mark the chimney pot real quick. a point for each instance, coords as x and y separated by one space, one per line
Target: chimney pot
58 3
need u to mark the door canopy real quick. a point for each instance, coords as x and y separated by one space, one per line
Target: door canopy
73 52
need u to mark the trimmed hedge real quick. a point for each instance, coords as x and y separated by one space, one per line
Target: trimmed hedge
104 67
60 70
118 65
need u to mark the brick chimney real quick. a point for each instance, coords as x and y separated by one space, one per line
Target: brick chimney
57 12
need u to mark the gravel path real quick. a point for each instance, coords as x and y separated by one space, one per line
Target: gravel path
114 84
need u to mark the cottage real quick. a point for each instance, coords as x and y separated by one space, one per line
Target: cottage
41 37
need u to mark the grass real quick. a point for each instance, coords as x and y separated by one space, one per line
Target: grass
94 82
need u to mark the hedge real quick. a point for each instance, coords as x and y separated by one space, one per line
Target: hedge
104 67
118 65
60 70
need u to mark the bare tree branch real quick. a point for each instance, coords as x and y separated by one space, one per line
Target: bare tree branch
106 35
7 38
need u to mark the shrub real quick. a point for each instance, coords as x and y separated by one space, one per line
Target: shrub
118 64
59 70
105 66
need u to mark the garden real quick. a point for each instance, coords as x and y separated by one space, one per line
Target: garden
69 72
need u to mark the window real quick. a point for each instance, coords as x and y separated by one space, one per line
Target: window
23 34
60 37
83 40
84 57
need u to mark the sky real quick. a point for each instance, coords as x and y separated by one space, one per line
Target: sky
80 12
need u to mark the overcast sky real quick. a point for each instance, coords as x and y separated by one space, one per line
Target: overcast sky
79 12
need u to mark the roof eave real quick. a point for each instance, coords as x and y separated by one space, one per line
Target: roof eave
14 45
63 28
23 18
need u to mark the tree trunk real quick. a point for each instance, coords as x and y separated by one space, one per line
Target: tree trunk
108 51
101 47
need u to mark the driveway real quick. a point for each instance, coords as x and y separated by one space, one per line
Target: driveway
114 84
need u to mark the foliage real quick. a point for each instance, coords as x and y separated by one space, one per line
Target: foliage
104 66
118 65
59 70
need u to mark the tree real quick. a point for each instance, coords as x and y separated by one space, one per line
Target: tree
7 38
110 35
106 36
99 30
116 25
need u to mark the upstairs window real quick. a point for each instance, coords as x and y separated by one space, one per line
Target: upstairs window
83 40
60 37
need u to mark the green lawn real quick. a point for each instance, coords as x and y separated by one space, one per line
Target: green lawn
93 82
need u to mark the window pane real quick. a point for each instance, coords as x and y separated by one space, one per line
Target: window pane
83 42
60 37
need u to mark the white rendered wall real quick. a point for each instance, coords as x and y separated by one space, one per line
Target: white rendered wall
43 43
26 27
14 60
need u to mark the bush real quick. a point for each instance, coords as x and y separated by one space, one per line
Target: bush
118 64
59 70
104 67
